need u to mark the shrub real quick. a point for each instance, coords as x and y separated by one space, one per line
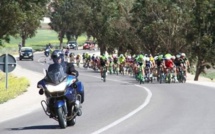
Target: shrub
16 86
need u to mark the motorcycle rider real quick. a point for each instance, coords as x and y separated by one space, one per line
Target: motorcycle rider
59 71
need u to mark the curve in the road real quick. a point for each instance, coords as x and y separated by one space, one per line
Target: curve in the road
142 106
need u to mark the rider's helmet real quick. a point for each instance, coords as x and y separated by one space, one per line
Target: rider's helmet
56 55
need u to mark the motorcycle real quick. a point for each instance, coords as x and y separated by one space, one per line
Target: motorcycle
46 52
63 101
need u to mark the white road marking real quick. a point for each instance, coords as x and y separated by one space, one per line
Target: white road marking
145 103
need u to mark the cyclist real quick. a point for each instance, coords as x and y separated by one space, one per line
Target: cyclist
185 63
66 53
72 58
178 63
121 63
93 63
115 64
87 60
140 72
110 64
78 60
147 68
103 63
169 64
160 64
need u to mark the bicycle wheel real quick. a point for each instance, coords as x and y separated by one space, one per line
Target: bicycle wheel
104 74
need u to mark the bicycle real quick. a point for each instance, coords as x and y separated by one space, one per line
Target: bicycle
115 69
103 74
148 75
181 75
139 76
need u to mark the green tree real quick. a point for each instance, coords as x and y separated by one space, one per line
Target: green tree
10 16
97 19
202 35
76 27
33 13
59 19
161 24
66 19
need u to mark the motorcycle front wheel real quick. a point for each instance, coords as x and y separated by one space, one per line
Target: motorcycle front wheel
61 117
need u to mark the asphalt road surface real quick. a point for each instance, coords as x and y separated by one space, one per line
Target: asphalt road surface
122 106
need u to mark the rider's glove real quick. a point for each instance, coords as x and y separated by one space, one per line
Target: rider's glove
41 92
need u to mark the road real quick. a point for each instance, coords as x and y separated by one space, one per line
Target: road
122 106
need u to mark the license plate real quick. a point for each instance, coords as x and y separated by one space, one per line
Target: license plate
26 56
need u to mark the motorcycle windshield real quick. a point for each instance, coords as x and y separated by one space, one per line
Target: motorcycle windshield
56 74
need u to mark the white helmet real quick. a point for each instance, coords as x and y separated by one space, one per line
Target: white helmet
183 54
173 57
178 56
121 55
156 57
147 59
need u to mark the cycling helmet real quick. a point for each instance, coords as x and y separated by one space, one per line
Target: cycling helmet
178 56
156 57
147 58
173 57
183 55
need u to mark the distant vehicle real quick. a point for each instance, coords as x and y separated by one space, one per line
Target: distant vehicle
89 45
72 45
26 53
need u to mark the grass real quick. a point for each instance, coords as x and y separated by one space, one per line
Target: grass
43 37
210 73
16 86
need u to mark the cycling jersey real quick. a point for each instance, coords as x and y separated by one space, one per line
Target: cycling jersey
121 59
148 64
177 62
140 58
115 60
169 63
103 60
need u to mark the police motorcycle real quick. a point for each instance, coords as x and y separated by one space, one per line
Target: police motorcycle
64 95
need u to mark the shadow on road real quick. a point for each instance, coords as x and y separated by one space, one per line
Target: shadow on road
36 127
